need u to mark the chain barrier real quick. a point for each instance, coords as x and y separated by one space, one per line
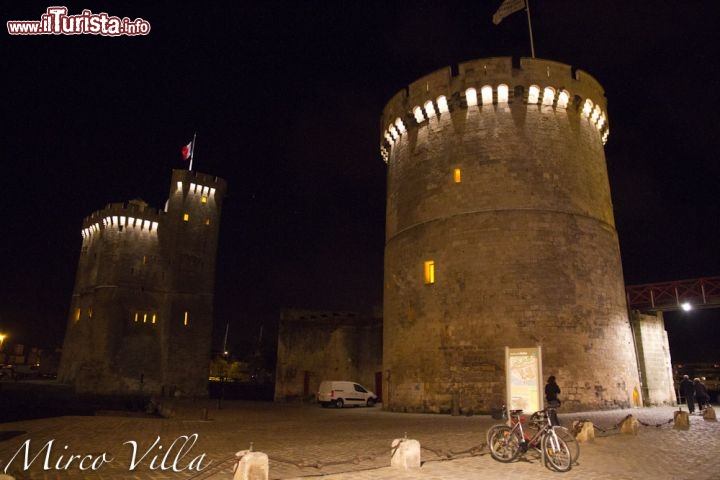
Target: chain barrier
319 465
476 451
579 424
440 453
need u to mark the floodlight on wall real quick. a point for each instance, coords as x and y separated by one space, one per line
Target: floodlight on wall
533 94
502 93
548 96
429 109
563 98
442 104
486 94
471 97
419 117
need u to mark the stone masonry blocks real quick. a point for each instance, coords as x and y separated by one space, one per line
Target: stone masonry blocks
523 244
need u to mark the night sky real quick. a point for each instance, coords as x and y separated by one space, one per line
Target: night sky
286 98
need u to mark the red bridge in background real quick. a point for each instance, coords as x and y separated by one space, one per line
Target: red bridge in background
699 293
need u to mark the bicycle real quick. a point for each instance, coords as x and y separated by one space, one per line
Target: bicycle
509 442
534 423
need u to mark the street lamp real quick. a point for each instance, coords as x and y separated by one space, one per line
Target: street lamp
687 306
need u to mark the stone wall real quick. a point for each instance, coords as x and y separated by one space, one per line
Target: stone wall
316 345
654 358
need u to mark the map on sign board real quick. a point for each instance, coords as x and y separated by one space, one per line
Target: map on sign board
524 378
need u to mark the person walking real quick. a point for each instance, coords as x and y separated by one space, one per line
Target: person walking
701 394
687 391
552 390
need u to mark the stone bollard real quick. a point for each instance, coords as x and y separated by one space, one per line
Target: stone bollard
251 466
585 431
630 425
405 454
709 414
682 420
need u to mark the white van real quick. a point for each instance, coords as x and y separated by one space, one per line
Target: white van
341 393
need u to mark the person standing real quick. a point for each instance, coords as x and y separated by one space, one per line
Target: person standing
701 394
687 391
552 390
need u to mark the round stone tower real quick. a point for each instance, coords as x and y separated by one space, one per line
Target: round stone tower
500 233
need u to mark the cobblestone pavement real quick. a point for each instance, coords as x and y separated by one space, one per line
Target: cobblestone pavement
306 441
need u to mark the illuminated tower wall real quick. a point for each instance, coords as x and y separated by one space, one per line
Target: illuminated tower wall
142 308
500 232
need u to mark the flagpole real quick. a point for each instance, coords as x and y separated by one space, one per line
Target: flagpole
532 45
192 150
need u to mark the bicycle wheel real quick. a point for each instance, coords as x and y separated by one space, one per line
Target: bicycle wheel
491 430
504 444
556 452
567 436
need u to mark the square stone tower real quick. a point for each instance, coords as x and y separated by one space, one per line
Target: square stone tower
141 313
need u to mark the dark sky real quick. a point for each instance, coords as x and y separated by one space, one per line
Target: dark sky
286 98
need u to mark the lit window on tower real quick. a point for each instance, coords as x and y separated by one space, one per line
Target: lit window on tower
207 221
186 217
77 314
90 312
154 317
204 199
457 178
429 272
185 318
137 315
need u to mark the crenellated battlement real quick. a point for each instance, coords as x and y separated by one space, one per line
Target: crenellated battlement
492 82
196 183
133 215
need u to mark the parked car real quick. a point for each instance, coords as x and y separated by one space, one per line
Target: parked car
6 371
26 371
340 393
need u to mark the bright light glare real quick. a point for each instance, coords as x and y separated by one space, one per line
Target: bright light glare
417 111
429 109
442 104
686 306
502 92
471 97
486 93
548 96
533 94
563 98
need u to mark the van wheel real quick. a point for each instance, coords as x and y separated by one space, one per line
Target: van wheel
339 403
371 402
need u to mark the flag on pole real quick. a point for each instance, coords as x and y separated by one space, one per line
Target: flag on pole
507 8
187 150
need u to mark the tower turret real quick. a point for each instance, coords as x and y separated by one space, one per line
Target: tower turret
500 232
142 305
